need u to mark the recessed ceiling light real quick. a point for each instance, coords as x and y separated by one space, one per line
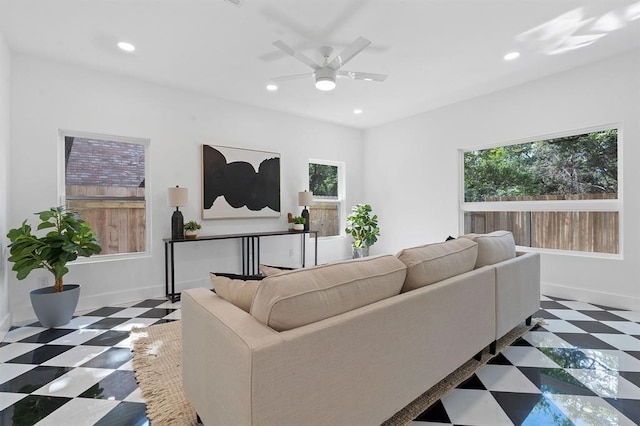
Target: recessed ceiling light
357 111
127 47
511 56
272 87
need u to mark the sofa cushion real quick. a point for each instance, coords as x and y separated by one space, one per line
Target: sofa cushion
494 247
295 298
431 263
238 292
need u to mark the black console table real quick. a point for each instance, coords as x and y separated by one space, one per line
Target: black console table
250 253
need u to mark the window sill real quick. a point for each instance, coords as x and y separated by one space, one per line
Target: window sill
111 258
586 254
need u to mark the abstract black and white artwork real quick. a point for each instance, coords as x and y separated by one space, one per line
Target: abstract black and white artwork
239 183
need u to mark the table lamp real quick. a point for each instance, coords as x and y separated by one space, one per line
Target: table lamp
305 198
177 198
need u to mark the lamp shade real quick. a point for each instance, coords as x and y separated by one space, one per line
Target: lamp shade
305 198
178 196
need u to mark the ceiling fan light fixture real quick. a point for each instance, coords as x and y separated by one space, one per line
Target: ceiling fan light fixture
325 74
325 79
325 84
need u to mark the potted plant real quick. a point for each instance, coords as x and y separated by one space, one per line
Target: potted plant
363 228
191 229
67 237
298 223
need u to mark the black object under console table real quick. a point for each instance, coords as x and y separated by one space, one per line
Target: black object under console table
250 253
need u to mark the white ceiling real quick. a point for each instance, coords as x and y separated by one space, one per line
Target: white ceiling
435 52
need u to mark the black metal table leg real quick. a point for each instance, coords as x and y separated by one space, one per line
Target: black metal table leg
316 249
244 243
166 269
257 259
174 297
304 251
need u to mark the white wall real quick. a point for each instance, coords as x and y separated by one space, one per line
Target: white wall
5 313
411 167
47 96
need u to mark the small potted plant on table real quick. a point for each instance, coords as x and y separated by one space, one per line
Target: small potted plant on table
191 229
68 237
298 223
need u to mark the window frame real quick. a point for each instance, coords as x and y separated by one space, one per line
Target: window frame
601 205
340 201
62 198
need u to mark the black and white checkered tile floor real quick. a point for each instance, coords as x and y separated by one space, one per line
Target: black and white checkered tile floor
80 373
581 368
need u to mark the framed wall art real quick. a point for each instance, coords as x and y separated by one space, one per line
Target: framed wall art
239 183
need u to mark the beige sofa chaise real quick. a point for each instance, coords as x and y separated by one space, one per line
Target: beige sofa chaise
351 343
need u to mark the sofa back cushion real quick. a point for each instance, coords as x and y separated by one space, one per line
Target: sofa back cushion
432 263
494 247
295 298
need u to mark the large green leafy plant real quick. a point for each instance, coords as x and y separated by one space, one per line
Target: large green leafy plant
362 226
68 237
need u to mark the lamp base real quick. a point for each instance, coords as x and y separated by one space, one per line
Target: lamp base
305 214
177 225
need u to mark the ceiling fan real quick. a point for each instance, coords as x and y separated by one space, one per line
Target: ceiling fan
325 74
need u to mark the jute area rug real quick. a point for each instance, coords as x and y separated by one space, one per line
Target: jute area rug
157 360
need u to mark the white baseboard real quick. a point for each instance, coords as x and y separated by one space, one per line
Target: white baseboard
591 296
24 314
117 298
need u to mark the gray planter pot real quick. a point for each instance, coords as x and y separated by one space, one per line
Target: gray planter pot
360 252
55 309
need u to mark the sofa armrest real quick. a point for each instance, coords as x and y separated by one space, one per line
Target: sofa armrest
517 290
218 341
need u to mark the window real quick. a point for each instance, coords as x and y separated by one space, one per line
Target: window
326 181
104 181
557 193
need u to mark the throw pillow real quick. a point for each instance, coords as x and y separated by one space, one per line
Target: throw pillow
267 271
494 247
238 292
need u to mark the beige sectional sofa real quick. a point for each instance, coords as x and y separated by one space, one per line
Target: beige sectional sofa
350 343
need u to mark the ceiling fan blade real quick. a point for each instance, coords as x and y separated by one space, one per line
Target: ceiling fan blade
299 56
291 77
284 20
362 75
349 52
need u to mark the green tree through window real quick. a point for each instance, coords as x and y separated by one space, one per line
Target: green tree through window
558 193
323 180
580 164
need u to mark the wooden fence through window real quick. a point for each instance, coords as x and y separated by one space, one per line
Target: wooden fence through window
589 231
325 219
116 214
